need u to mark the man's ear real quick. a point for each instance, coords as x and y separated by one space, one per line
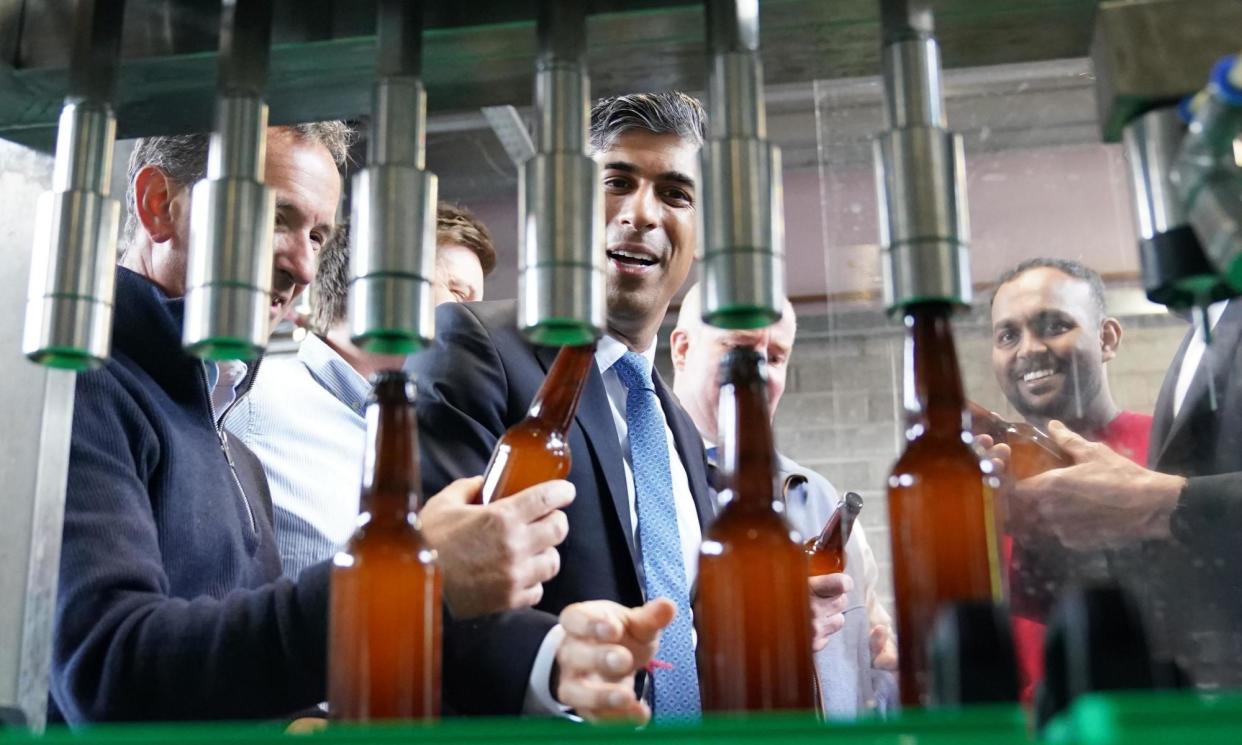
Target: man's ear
679 343
153 196
1110 338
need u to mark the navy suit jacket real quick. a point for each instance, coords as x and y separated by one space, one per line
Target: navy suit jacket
475 382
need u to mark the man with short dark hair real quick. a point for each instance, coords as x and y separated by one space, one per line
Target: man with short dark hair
171 604
638 461
1051 340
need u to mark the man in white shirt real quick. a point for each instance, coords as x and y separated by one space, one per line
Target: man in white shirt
863 654
303 418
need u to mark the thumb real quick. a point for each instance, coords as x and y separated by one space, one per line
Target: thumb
461 491
1075 445
643 624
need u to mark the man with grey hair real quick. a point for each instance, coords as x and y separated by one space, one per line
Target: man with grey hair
855 665
171 604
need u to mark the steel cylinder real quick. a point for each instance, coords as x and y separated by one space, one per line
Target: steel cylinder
1175 270
229 276
920 172
742 215
561 262
393 233
69 303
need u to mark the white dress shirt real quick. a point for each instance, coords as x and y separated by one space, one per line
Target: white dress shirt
539 697
304 420
1194 355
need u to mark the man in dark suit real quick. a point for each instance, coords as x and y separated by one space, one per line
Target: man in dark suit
1179 520
638 464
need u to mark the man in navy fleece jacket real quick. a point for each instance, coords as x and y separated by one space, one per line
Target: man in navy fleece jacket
171 601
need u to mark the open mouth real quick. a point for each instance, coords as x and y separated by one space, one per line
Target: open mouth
627 257
1034 376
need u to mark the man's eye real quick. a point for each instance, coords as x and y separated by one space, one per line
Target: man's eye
677 195
616 182
1005 338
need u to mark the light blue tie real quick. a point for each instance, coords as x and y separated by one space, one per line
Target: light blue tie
676 688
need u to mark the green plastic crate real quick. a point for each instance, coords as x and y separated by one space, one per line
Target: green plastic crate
1150 718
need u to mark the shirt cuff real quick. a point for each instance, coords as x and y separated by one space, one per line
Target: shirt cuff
539 699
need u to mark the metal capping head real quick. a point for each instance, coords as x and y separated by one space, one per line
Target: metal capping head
228 304
561 270
393 239
743 257
68 321
920 170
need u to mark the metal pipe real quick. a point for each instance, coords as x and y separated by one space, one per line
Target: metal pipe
920 169
393 239
229 277
743 259
1175 271
560 201
73 268
1208 176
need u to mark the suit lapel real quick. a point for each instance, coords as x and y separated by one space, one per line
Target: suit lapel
690 447
594 416
1162 421
1225 338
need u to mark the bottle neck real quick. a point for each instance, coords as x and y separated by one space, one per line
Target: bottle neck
749 453
391 487
556 402
933 382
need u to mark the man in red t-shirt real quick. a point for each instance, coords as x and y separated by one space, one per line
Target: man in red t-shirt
1051 338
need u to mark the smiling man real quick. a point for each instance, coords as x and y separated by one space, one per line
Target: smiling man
1051 341
638 462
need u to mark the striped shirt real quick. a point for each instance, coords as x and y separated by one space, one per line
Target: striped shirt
304 419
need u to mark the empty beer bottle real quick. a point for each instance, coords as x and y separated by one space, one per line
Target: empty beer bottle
536 449
827 550
384 627
752 610
1031 450
940 509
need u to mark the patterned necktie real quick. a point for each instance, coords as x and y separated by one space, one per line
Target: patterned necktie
677 687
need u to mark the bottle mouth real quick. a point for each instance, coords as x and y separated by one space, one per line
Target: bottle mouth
742 365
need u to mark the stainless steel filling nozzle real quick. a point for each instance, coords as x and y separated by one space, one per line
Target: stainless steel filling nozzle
393 221
920 169
229 278
73 267
743 229
561 279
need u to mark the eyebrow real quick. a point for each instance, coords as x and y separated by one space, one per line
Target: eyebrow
329 228
674 176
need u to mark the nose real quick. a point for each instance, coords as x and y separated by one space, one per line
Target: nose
1030 345
295 256
640 209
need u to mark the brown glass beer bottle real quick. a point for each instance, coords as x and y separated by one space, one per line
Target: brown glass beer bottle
1031 450
384 624
827 550
940 509
536 449
752 610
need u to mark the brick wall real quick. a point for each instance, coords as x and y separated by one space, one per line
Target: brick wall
841 413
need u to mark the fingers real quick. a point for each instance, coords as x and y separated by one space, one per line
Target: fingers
643 624
537 501
548 531
598 700
611 662
823 627
1076 446
598 620
539 568
462 491
985 441
831 585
